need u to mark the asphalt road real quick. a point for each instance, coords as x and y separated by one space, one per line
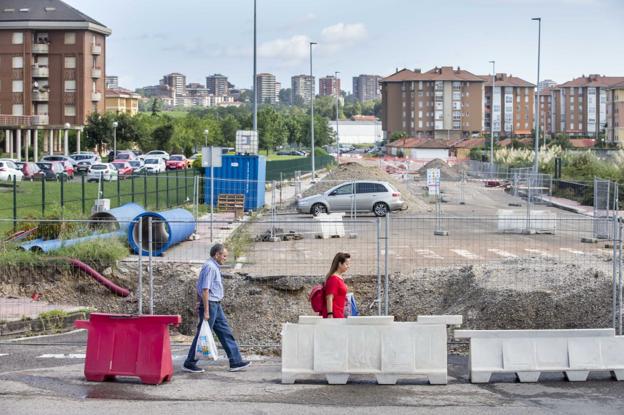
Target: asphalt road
33 383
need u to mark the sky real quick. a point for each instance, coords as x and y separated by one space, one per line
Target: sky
200 37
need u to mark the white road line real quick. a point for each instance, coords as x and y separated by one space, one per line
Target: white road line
537 251
3 354
62 356
465 253
428 253
573 251
503 253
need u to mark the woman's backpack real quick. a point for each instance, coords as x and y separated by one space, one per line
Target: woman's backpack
316 297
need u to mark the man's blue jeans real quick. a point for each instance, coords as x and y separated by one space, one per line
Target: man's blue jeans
218 323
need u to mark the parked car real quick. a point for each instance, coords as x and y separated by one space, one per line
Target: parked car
155 154
125 156
137 165
124 169
177 162
58 158
30 170
105 171
155 165
84 161
50 170
8 171
366 196
69 169
291 153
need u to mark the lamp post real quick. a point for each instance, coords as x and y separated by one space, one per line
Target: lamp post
66 139
492 114
115 125
312 114
206 137
337 103
539 39
255 85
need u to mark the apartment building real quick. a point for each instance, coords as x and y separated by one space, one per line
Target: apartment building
367 87
217 84
176 81
510 108
329 86
615 114
278 88
302 89
546 111
265 83
121 100
443 103
111 82
52 69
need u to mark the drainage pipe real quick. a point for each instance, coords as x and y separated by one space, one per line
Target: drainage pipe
167 229
118 218
123 292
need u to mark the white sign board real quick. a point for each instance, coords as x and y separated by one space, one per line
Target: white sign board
433 181
247 142
211 156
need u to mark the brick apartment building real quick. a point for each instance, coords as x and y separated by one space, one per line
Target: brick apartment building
367 87
217 84
511 108
442 103
329 86
615 114
546 110
52 71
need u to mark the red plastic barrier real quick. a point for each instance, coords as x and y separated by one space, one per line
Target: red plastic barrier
127 345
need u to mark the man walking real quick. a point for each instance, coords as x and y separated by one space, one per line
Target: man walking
210 294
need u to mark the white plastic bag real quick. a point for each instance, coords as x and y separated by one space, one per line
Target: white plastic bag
206 347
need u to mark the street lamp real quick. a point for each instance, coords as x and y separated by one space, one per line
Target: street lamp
539 39
206 137
492 114
312 113
66 139
337 102
115 125
255 84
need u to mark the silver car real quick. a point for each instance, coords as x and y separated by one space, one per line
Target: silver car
363 196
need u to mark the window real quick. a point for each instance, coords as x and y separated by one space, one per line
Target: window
420 104
420 114
347 189
18 86
420 124
70 62
70 110
70 86
70 38
18 38
18 109
18 62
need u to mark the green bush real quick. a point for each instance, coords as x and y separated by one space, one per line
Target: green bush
98 253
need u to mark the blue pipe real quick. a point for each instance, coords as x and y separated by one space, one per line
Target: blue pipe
168 228
121 216
54 244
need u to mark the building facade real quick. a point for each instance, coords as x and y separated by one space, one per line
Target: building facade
367 87
121 100
443 103
111 82
217 84
265 82
615 114
52 71
510 108
329 86
547 113
175 80
302 89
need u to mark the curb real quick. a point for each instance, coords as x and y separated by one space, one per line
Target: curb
39 326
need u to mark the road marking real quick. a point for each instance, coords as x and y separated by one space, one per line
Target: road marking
3 354
503 253
573 251
537 251
62 356
465 253
428 253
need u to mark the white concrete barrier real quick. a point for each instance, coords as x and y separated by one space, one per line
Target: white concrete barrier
528 353
331 225
379 346
515 221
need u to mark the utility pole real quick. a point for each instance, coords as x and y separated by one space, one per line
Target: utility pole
539 42
492 114
337 103
312 114
255 86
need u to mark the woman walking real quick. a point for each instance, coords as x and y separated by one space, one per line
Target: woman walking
335 290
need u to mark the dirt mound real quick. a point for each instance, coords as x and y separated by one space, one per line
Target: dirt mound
356 171
446 172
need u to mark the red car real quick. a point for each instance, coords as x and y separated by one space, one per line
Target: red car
69 169
124 169
30 170
177 162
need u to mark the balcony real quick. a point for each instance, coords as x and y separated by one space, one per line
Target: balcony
40 48
40 96
96 96
96 49
96 73
22 121
39 119
40 71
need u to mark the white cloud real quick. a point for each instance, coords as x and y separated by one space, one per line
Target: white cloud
294 48
342 34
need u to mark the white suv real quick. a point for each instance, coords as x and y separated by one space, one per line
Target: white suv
156 154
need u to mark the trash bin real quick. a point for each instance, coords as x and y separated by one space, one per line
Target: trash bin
128 345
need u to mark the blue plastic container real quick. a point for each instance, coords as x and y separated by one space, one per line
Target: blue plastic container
168 228
244 175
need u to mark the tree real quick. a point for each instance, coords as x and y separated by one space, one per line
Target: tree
397 135
162 135
271 129
99 130
229 126
284 96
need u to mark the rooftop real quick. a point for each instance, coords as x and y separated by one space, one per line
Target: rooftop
503 79
593 80
444 73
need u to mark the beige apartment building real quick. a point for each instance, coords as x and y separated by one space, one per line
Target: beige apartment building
509 109
121 100
52 71
267 92
615 114
442 103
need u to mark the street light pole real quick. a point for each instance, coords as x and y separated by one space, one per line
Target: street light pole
492 113
206 137
255 86
539 40
115 124
65 141
312 114
337 103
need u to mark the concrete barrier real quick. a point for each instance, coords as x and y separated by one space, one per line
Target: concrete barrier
331 225
528 353
512 221
379 346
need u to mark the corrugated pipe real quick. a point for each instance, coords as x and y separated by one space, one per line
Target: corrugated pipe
168 228
118 218
123 292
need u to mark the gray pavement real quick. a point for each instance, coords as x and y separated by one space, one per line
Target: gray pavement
30 383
